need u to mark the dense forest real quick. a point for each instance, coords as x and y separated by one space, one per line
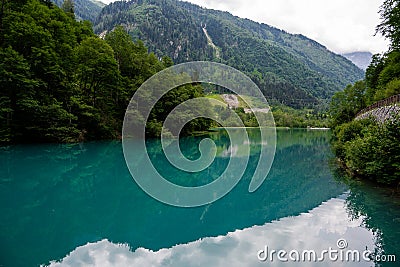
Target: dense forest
62 83
368 148
290 69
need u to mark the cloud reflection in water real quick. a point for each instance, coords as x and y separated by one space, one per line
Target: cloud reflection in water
318 229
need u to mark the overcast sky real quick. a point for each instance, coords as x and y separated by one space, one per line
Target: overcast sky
341 25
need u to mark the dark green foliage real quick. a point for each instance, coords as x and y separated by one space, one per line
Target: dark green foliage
370 150
61 83
16 83
345 133
346 104
36 68
372 76
383 76
291 69
390 25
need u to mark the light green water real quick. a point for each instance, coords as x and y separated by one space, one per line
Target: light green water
78 205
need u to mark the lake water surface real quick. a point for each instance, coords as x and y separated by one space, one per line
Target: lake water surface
77 205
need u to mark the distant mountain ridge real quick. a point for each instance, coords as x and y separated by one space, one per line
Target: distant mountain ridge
360 59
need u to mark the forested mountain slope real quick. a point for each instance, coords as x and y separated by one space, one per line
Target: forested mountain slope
291 69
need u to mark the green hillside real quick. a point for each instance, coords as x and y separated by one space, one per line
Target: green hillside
290 69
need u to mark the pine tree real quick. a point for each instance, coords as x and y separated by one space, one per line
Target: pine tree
68 7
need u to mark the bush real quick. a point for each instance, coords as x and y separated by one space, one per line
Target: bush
369 149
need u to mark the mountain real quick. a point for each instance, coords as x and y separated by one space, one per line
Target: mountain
360 59
85 9
290 69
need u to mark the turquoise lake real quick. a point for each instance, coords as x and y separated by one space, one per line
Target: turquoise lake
78 205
